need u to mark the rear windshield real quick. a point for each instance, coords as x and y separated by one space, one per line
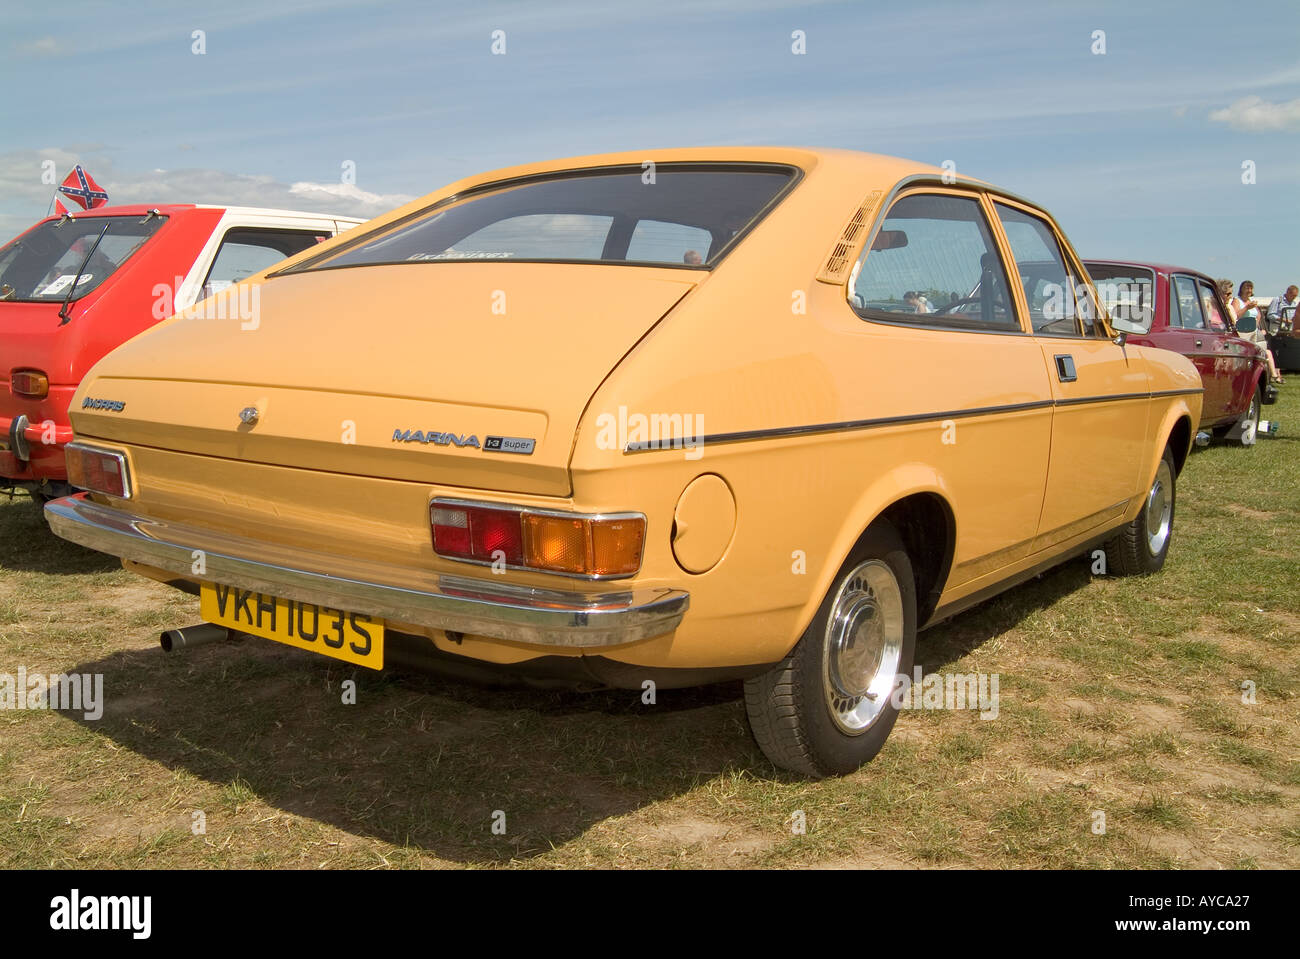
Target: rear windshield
1127 292
43 263
685 215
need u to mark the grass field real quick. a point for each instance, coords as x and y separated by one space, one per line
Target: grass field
1121 697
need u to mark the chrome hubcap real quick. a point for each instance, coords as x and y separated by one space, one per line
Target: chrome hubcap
863 645
1160 509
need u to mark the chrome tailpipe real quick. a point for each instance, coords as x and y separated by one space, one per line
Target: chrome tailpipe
1202 438
173 640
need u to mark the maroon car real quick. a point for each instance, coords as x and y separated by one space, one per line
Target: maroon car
1178 309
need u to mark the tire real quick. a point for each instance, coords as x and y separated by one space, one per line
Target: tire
1249 426
1140 547
827 708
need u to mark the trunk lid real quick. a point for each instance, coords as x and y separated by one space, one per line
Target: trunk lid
398 371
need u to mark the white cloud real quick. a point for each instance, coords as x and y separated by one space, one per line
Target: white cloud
359 200
40 47
1257 115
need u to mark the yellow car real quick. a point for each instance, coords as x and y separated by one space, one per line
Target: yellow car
647 418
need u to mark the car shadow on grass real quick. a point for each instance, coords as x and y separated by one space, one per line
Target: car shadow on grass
27 544
430 764
963 634
417 761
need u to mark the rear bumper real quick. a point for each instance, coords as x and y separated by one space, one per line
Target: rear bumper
541 617
32 451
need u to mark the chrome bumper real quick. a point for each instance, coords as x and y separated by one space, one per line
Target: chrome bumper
520 614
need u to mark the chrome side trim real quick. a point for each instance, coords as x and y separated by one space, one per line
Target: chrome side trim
642 446
521 614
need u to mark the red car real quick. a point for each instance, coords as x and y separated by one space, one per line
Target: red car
74 287
1178 309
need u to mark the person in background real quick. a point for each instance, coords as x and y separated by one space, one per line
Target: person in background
916 301
1283 308
1225 293
1245 306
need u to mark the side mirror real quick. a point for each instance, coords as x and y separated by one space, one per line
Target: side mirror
1247 324
1121 337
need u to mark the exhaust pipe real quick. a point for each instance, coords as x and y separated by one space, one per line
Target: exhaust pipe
191 636
1202 438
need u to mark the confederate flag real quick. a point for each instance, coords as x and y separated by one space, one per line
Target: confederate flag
82 189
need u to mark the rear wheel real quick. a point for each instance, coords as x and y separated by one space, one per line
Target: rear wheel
1141 546
827 708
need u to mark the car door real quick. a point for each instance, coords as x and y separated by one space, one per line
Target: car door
1235 358
1199 344
1100 390
983 375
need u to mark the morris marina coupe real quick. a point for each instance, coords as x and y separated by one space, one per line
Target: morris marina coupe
1177 309
665 417
73 287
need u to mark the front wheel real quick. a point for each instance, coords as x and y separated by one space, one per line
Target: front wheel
1141 546
828 708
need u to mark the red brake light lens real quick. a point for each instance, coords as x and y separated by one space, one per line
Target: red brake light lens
30 383
100 471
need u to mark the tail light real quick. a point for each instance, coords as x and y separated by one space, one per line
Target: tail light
98 470
30 383
597 546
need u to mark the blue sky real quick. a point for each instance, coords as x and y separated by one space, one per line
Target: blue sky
1137 151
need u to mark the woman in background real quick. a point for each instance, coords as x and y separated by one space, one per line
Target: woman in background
1245 306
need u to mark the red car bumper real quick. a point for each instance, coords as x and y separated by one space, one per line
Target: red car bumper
33 452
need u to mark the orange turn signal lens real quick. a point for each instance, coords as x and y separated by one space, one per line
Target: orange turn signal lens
616 546
29 383
582 545
557 543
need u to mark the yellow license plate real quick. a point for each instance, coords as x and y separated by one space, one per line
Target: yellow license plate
320 629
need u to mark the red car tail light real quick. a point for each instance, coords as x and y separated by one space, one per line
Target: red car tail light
98 470
574 544
30 383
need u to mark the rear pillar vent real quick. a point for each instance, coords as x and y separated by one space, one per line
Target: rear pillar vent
836 270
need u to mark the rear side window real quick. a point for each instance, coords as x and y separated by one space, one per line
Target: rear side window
1127 293
1210 306
44 263
669 243
933 263
1189 304
668 216
244 252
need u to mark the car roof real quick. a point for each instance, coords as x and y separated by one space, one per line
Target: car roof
870 167
180 209
1158 267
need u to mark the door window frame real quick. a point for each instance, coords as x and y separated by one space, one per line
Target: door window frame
1175 301
1014 328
